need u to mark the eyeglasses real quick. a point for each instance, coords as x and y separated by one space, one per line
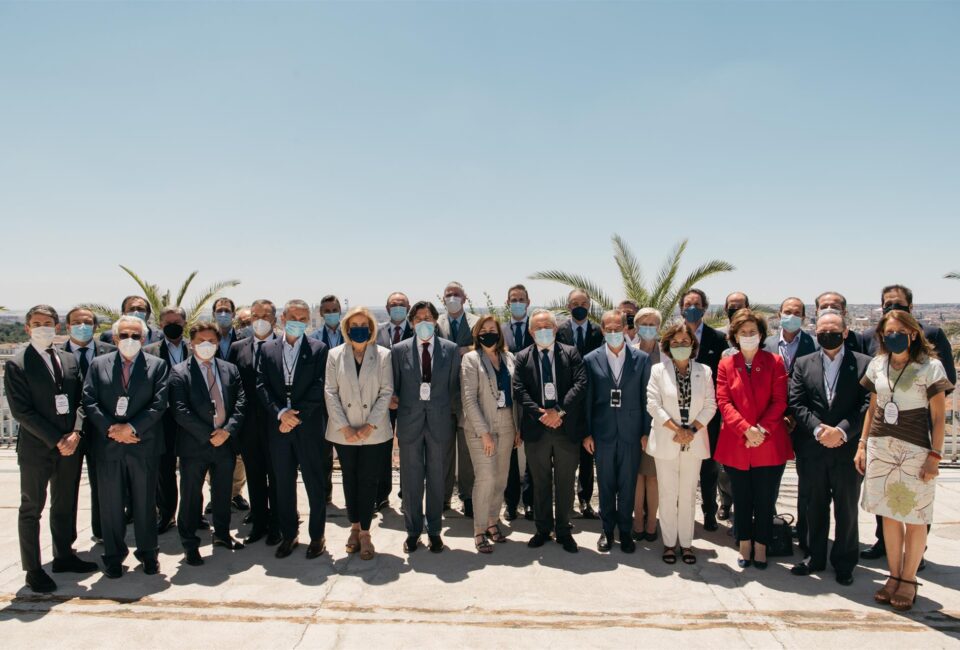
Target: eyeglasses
125 335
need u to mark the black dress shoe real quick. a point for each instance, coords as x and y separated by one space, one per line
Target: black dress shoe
710 523
468 508
538 540
528 514
760 565
876 551
383 505
39 582
603 544
227 542
723 513
204 524
587 511
255 535
209 509
248 518
650 537
510 515
164 525
286 547
411 543
273 539
436 543
803 569
240 503
192 557
73 564
151 566
627 545
316 548
743 564
568 544
446 506
845 578
113 571
97 539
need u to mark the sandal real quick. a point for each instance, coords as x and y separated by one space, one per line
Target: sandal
496 535
483 546
353 542
687 555
366 546
669 555
884 594
904 603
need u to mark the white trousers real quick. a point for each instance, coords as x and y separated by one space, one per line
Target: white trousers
677 482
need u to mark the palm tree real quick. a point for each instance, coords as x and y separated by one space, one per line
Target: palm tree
159 299
953 275
664 294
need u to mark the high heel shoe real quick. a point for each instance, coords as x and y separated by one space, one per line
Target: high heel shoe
366 546
353 541
904 603
884 593
743 564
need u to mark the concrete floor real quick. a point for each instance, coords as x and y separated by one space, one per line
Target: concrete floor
518 596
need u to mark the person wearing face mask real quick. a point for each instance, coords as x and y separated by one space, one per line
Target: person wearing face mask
254 435
174 350
329 332
731 305
135 306
854 341
244 321
358 389
901 447
224 312
43 389
456 325
208 404
486 384
395 329
710 348
647 499
754 446
586 337
290 386
549 384
125 397
617 422
681 401
516 336
426 389
828 403
81 323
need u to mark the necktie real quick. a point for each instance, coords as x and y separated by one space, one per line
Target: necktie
396 334
517 337
84 363
57 370
126 373
546 375
580 339
256 356
454 329
220 413
426 369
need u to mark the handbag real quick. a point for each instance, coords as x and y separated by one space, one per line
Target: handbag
782 543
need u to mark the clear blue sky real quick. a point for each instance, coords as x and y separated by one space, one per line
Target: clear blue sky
359 148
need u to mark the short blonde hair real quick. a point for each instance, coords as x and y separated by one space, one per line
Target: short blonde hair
371 322
649 311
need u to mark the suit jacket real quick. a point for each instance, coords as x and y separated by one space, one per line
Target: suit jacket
147 395
383 334
479 392
233 337
306 394
30 389
712 346
570 378
162 350
193 408
809 405
412 412
354 399
748 399
99 348
592 338
807 345
464 334
506 330
322 334
243 355
938 339
154 335
663 404
631 421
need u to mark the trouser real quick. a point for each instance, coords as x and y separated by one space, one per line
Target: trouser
490 472
237 480
309 451
62 474
519 487
754 502
261 481
139 473
328 477
84 451
459 469
677 485
803 500
361 466
220 466
832 478
553 461
713 477
167 478
585 476
618 463
423 457
385 484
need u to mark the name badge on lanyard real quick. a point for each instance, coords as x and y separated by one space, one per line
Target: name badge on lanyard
550 391
62 404
891 413
425 391
501 400
122 404
615 398
289 395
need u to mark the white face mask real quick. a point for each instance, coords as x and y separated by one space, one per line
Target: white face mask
205 350
129 348
749 342
42 337
262 327
453 304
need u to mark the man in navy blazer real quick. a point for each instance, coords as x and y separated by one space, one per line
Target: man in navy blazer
139 307
617 419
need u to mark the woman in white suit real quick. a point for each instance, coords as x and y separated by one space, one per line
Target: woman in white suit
358 388
486 385
681 401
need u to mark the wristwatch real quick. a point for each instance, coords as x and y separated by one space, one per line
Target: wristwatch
561 412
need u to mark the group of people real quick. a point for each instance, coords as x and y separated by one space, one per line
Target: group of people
642 409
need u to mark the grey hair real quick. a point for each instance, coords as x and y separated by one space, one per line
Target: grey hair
128 319
263 302
295 303
649 311
172 309
832 312
540 310
614 312
455 284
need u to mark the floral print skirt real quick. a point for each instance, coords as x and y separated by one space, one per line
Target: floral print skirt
892 486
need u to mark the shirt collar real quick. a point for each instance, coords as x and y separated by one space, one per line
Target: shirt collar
836 360
616 355
795 341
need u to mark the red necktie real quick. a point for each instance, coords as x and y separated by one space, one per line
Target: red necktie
396 334
425 367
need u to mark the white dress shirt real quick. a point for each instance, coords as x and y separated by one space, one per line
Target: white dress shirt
616 361
831 372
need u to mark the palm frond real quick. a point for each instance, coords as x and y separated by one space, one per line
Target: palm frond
574 281
105 312
183 287
694 278
205 297
150 291
630 271
668 273
953 275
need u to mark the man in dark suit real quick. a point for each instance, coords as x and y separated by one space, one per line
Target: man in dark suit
81 324
395 329
693 306
225 315
426 385
125 397
331 336
586 337
43 390
855 341
290 387
829 404
516 336
550 384
616 408
208 403
254 439
139 307
173 349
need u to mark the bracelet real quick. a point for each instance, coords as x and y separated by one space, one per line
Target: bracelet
935 454
862 443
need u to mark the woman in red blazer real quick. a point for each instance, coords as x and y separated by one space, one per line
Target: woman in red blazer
754 445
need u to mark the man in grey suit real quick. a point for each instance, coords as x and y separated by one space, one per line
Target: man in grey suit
395 329
457 325
125 397
426 384
139 307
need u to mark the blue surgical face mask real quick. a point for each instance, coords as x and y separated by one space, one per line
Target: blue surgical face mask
142 315
647 332
518 309
544 337
360 334
693 314
81 332
224 319
424 329
398 313
294 328
332 320
579 313
613 339
897 342
790 322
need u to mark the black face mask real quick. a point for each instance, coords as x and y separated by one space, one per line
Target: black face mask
731 311
830 340
895 307
173 331
489 339
630 318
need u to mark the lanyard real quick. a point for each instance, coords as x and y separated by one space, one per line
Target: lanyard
288 370
831 389
893 384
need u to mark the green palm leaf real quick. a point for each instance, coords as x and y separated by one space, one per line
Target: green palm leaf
693 279
953 275
183 287
574 281
103 311
666 276
630 271
205 297
150 291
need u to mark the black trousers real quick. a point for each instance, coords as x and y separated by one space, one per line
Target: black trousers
423 471
85 452
518 487
553 461
713 478
618 464
309 452
831 479
754 501
167 477
803 502
139 474
261 481
585 476
193 469
361 466
62 474
385 484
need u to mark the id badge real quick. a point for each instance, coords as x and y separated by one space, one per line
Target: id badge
424 392
122 404
550 391
62 404
615 398
501 400
891 413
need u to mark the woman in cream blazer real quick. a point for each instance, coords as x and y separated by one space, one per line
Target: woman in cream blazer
681 401
357 391
490 426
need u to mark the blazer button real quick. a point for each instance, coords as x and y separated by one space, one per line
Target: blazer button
349 405
365 406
